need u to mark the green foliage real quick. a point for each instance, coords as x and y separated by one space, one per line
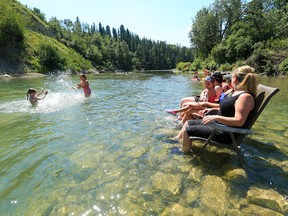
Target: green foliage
268 69
253 33
196 64
12 25
226 67
226 34
39 14
219 52
213 24
183 66
50 58
283 67
66 44
204 33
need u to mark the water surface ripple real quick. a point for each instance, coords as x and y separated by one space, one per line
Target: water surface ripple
111 154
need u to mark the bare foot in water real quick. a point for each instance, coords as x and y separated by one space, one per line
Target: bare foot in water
176 138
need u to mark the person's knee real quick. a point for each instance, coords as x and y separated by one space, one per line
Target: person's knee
185 124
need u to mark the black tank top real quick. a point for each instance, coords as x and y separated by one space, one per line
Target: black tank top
227 107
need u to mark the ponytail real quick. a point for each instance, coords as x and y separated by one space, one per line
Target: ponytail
247 79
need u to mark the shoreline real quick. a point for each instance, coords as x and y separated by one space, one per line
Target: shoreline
25 75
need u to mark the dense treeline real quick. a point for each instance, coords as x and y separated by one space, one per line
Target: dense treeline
117 48
233 32
98 46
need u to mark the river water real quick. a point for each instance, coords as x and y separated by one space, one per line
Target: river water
111 154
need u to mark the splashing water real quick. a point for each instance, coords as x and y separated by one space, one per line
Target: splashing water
61 96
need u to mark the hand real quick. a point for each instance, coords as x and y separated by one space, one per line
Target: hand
208 119
206 111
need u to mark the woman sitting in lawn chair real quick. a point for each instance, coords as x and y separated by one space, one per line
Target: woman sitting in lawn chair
234 110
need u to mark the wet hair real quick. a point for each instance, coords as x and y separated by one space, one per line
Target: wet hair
83 75
30 90
247 79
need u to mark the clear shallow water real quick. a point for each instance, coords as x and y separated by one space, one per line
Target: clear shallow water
111 155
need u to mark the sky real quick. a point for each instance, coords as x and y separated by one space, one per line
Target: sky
163 20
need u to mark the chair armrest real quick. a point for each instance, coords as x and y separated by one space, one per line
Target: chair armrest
225 128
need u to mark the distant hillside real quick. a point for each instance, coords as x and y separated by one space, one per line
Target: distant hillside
31 52
30 43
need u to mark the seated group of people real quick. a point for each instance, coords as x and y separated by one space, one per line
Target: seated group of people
227 103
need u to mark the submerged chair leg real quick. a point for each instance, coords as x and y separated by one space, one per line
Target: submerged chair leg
205 144
237 150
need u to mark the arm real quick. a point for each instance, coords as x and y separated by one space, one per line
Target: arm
41 92
209 104
203 95
243 105
219 91
84 84
41 97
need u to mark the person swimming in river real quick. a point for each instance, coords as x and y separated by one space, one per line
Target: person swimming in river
33 97
196 77
84 84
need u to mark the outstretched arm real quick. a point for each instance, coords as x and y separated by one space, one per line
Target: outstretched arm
42 97
41 92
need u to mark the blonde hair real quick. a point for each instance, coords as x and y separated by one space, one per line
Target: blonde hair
247 79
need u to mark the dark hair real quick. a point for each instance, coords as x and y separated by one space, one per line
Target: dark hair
217 76
30 90
83 75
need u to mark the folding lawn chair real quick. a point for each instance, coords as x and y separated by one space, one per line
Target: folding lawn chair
264 94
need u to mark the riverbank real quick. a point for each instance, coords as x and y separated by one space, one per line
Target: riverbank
26 75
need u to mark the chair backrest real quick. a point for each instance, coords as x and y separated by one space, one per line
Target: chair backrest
264 94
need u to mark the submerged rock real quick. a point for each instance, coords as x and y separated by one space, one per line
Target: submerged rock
234 173
268 198
177 209
195 174
167 182
214 195
258 210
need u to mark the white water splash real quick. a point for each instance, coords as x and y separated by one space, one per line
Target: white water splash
60 96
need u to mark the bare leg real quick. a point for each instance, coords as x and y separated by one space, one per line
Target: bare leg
186 100
179 135
190 114
186 142
185 107
186 116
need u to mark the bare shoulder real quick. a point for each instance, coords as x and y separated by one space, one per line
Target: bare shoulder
247 100
246 96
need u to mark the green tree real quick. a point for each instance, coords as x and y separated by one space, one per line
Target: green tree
204 32
227 13
39 14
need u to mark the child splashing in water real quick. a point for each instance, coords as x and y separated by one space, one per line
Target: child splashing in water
84 84
33 97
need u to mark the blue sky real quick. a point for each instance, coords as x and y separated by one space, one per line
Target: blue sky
164 20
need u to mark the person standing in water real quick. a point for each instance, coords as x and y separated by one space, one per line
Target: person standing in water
84 84
33 97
